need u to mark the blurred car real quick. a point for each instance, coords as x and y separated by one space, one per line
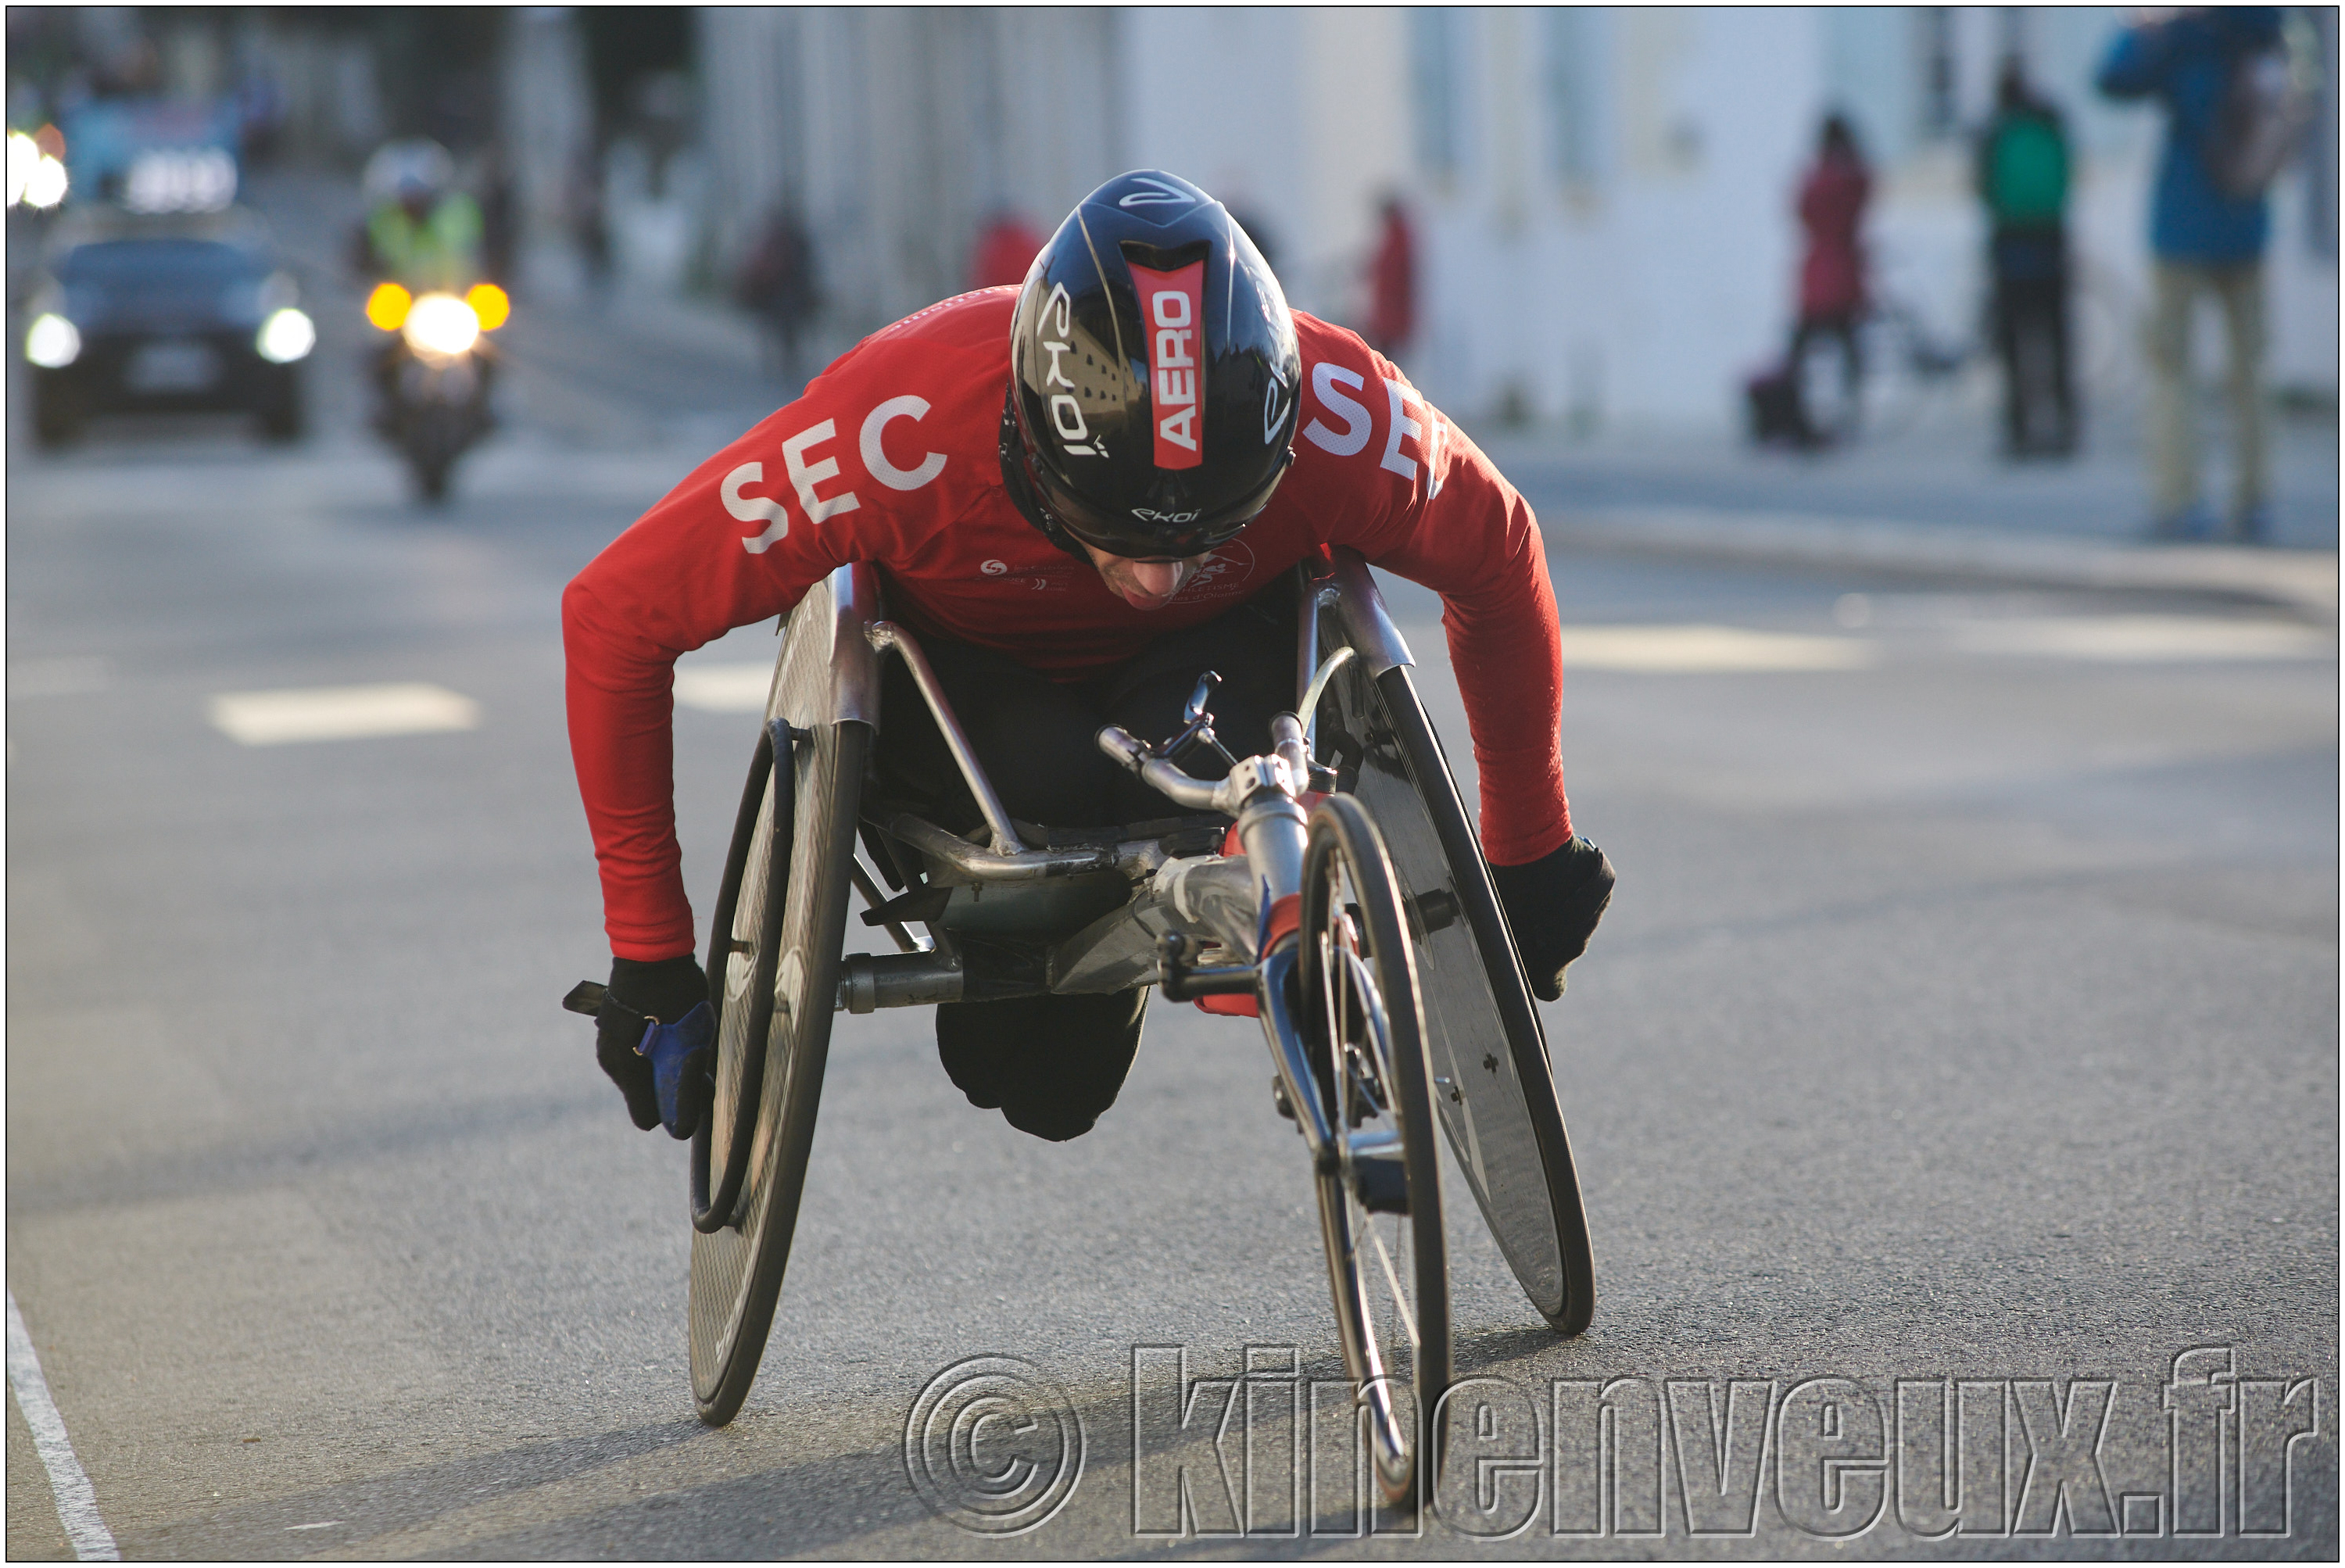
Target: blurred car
175 313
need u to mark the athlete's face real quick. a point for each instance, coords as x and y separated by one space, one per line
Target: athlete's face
1143 584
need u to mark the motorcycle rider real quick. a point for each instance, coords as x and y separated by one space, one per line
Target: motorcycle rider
421 233
1080 492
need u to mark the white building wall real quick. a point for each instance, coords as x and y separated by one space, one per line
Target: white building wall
1643 283
1291 117
1611 243
896 133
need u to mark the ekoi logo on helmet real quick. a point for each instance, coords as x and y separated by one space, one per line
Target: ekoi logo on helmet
1172 311
1053 328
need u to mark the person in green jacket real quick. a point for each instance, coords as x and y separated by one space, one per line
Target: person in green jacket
419 233
2023 179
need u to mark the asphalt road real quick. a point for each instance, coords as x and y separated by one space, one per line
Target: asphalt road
1964 1033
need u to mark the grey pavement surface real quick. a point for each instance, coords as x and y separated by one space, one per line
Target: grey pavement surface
1964 1029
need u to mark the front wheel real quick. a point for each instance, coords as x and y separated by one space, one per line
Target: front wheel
430 471
1380 1203
773 972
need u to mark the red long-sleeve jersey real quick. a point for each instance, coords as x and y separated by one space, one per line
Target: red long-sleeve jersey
891 457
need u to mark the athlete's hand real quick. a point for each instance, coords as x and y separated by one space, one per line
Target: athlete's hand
1553 903
640 995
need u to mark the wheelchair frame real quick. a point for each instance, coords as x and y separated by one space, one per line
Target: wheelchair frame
1157 892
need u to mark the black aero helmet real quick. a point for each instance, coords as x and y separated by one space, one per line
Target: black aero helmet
1154 371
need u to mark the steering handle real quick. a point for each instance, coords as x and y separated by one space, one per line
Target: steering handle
1120 744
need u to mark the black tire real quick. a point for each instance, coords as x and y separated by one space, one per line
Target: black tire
56 415
1380 1206
736 1270
436 435
431 471
281 417
1486 1052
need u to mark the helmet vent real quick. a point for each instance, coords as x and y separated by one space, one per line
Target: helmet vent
1166 257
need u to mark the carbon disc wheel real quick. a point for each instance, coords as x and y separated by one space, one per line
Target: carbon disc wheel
1492 1080
737 1267
1380 1205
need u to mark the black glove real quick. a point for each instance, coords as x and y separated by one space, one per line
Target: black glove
1553 903
641 995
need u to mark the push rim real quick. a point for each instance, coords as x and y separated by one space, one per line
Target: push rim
740 970
737 1269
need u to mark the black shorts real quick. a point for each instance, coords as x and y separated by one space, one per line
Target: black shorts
1052 1065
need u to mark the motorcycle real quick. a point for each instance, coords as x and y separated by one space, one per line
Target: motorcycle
433 374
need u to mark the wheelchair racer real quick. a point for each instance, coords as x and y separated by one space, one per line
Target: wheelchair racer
1080 492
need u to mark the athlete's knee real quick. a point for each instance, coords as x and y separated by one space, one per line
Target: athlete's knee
1051 1064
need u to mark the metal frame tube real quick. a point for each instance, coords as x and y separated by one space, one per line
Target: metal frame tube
979 864
869 982
873 898
1317 689
1311 592
1360 610
887 636
1196 794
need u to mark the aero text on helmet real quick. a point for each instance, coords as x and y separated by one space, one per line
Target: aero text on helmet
1171 305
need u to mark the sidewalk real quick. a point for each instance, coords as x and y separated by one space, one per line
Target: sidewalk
1932 502
630 371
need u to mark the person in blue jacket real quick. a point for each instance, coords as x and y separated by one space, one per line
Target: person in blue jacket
2207 237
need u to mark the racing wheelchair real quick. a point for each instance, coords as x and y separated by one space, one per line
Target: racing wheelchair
1332 886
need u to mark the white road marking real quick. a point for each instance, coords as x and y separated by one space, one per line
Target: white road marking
77 1504
341 712
1705 650
723 688
321 1524
2146 639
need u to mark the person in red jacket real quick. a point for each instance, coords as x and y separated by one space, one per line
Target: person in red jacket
1831 272
1392 281
1079 494
1005 248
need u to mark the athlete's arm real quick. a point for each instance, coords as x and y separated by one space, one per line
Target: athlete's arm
1412 494
842 475
676 580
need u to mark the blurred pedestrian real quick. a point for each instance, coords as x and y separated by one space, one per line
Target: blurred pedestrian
583 204
1832 271
260 114
1005 248
500 218
2023 179
777 282
2209 225
1392 282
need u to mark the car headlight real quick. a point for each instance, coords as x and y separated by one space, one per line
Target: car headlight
53 342
285 337
24 157
441 324
44 187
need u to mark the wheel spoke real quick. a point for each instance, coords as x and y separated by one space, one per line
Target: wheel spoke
1400 1298
1396 1344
